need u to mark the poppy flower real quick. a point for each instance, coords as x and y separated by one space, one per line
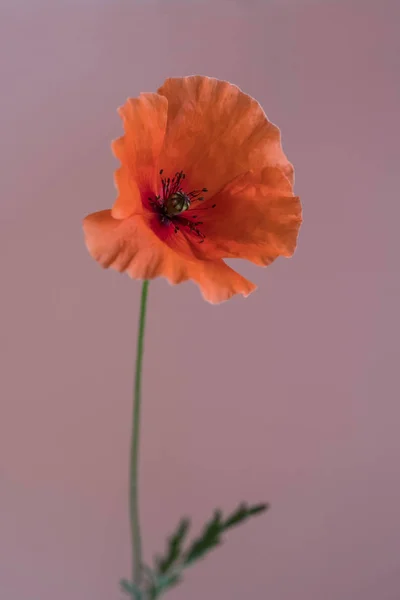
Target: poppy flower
203 178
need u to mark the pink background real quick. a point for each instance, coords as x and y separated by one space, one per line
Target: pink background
291 396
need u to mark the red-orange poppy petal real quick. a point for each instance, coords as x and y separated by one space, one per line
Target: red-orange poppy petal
129 245
256 217
218 282
129 199
215 132
145 121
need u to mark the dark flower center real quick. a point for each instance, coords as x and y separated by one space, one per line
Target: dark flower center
175 208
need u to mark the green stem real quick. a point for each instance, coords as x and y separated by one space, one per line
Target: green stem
134 466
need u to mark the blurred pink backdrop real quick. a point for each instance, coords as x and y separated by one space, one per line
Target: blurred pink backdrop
290 396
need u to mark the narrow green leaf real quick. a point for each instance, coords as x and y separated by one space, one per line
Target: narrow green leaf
244 512
169 581
211 535
199 550
236 517
131 589
258 508
163 583
207 541
168 568
174 550
212 528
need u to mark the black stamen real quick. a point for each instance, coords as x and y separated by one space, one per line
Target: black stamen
160 205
